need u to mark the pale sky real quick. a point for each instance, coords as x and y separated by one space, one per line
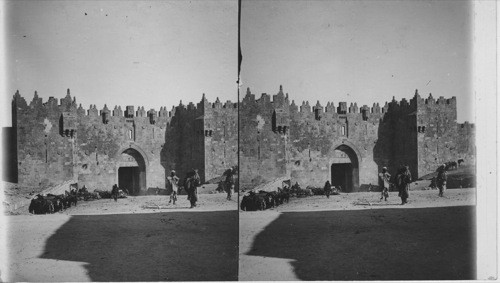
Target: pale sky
147 54
358 51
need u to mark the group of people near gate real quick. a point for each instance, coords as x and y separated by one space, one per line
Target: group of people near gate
403 179
191 183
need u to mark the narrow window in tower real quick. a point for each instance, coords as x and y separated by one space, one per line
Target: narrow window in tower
342 130
153 133
129 134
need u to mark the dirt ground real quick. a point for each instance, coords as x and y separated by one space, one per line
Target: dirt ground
346 237
357 236
128 240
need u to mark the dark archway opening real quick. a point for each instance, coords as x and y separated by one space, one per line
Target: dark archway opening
342 176
345 169
132 172
129 179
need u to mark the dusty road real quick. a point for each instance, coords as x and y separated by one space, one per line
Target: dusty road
347 237
358 237
105 240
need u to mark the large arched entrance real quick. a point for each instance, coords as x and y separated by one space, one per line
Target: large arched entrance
132 171
345 168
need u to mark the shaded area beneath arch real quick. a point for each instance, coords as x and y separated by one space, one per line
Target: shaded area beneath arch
173 246
132 171
345 171
374 244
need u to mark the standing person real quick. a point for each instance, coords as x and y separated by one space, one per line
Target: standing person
229 182
441 179
173 180
403 180
191 183
384 182
114 192
328 189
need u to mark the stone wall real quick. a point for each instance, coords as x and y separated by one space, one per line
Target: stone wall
9 155
281 139
62 141
59 140
221 137
440 138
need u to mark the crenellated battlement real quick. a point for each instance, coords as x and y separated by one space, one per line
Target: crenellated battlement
55 107
331 110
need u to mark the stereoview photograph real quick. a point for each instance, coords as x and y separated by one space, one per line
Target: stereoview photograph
121 152
357 148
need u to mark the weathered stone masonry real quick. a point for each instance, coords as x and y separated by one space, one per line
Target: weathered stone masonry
347 145
62 141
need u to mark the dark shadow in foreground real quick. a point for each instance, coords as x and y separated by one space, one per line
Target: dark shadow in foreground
375 244
174 246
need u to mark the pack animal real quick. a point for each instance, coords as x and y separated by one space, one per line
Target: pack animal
40 205
253 201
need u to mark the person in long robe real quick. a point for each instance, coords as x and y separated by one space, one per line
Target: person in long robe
384 182
173 181
328 189
229 182
115 192
403 180
191 184
441 179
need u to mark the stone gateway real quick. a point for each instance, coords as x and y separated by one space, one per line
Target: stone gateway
134 148
348 145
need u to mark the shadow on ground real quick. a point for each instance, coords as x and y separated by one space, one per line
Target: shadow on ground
375 244
174 246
